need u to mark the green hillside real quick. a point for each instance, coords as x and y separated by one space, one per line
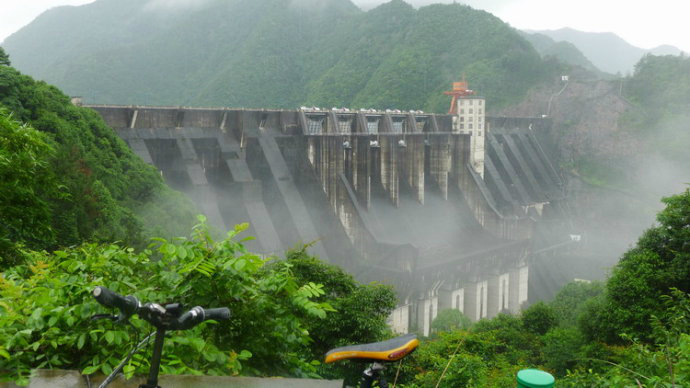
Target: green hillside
276 53
66 178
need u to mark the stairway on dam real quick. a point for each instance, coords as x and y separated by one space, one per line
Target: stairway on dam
389 196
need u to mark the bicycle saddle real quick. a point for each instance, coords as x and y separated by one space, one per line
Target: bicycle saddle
390 350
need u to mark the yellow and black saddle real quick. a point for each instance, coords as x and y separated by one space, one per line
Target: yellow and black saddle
390 350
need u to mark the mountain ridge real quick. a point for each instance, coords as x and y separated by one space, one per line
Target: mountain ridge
606 50
278 54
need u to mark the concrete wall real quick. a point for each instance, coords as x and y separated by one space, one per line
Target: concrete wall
498 295
427 309
399 320
518 283
476 300
44 378
452 299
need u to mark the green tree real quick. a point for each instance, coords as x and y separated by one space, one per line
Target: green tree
568 302
657 263
539 318
4 58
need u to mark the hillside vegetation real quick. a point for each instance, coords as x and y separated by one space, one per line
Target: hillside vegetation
67 178
276 54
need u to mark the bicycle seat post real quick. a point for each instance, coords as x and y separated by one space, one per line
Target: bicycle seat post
152 381
374 373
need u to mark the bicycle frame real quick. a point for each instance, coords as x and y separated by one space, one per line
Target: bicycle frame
372 374
152 381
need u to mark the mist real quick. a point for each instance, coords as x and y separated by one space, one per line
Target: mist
175 5
613 219
487 4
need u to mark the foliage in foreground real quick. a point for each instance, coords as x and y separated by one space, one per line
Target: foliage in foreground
490 353
46 305
360 316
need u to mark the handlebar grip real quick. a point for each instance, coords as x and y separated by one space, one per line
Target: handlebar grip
218 314
199 314
126 304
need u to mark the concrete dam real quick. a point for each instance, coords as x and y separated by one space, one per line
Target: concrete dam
449 214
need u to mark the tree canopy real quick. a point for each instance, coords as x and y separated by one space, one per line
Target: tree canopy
4 58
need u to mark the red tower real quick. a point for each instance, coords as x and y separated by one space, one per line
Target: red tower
459 90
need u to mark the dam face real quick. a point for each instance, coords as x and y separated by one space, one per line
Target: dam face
393 197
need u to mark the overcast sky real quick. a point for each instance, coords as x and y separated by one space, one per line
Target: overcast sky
645 24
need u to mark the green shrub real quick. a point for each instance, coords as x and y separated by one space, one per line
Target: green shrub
450 319
539 318
657 264
425 367
569 302
561 349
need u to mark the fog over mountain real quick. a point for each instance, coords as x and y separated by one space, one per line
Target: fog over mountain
606 50
276 53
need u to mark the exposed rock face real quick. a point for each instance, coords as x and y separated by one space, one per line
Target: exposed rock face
585 113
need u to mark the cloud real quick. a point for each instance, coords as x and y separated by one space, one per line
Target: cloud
490 5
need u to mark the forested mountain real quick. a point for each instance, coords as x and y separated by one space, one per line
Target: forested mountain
275 53
564 51
606 50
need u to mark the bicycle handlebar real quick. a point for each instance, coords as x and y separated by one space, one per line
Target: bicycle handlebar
169 319
198 314
128 305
